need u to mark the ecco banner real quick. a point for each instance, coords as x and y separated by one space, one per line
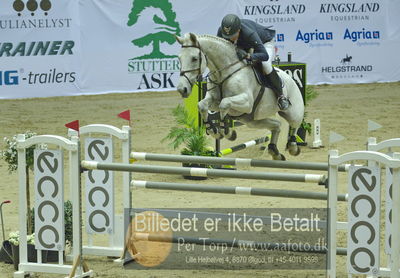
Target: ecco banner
364 216
70 47
99 187
49 204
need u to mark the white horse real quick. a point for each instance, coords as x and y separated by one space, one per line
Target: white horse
233 89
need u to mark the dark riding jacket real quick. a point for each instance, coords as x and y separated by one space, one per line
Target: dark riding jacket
253 35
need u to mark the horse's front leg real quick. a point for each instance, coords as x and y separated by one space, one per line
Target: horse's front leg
241 103
209 103
211 120
203 106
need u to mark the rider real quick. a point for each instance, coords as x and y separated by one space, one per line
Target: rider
247 34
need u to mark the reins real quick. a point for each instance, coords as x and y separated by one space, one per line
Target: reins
219 84
198 69
208 76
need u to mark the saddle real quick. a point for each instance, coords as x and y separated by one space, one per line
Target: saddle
260 76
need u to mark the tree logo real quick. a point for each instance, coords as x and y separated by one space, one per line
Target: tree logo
165 26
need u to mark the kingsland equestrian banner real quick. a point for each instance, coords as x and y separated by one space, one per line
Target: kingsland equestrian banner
72 47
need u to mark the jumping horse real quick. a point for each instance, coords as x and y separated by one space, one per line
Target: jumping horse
233 89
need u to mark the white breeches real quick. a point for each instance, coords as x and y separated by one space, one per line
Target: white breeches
270 48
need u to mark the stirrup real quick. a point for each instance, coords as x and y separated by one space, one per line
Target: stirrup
283 102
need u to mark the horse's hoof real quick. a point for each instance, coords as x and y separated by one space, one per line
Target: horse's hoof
233 136
295 152
274 152
272 149
280 157
293 148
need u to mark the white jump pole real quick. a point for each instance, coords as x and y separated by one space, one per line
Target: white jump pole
203 172
317 143
239 162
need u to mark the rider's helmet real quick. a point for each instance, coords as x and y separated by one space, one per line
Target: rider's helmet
230 26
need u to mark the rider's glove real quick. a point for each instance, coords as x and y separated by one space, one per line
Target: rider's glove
241 54
249 60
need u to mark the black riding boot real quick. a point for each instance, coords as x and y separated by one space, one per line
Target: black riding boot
276 84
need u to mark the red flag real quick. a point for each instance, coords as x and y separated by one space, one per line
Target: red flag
73 125
126 115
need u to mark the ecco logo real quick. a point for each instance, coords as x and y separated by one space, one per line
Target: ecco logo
99 184
49 206
363 237
9 77
32 6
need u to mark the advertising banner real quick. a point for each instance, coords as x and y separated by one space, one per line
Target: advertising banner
134 46
38 48
72 47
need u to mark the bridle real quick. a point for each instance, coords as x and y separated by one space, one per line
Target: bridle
198 69
199 74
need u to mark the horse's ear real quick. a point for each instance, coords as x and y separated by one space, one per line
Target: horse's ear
193 38
179 39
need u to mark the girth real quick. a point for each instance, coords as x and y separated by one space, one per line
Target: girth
255 105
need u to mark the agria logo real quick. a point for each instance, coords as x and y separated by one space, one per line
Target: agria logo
154 23
307 37
362 34
32 6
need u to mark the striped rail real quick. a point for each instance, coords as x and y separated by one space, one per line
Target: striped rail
234 190
204 172
240 162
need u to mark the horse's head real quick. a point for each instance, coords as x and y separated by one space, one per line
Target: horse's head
193 63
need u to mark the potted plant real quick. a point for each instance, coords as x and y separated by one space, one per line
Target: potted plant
193 137
10 155
32 253
305 126
6 252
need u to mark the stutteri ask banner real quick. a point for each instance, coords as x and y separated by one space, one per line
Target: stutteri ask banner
70 47
134 48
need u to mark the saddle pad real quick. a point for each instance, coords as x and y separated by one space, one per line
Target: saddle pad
259 74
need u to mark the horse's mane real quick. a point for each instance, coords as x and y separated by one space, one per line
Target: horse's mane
215 38
215 46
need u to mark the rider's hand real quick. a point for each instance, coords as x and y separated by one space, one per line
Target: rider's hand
241 54
249 60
